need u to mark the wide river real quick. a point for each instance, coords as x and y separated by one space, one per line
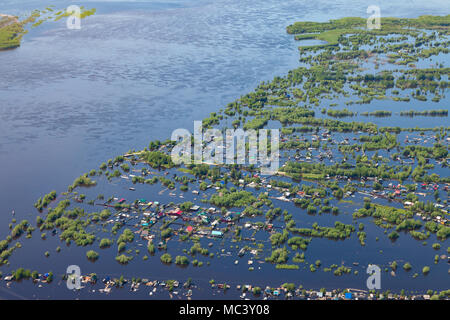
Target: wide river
137 70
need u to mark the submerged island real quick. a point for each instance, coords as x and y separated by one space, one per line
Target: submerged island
353 189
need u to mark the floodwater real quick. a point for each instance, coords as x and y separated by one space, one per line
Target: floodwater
137 70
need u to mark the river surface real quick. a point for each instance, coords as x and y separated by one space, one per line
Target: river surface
137 70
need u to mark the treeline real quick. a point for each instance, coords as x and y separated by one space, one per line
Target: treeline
431 113
291 130
334 125
378 113
340 113
290 115
297 170
339 232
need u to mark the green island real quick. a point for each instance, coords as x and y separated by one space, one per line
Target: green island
12 29
338 181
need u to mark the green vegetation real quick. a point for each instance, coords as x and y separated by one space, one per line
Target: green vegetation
123 259
407 266
287 266
166 258
126 236
45 201
83 181
157 159
426 270
279 256
232 198
340 231
179 260
332 32
436 246
432 113
92 255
